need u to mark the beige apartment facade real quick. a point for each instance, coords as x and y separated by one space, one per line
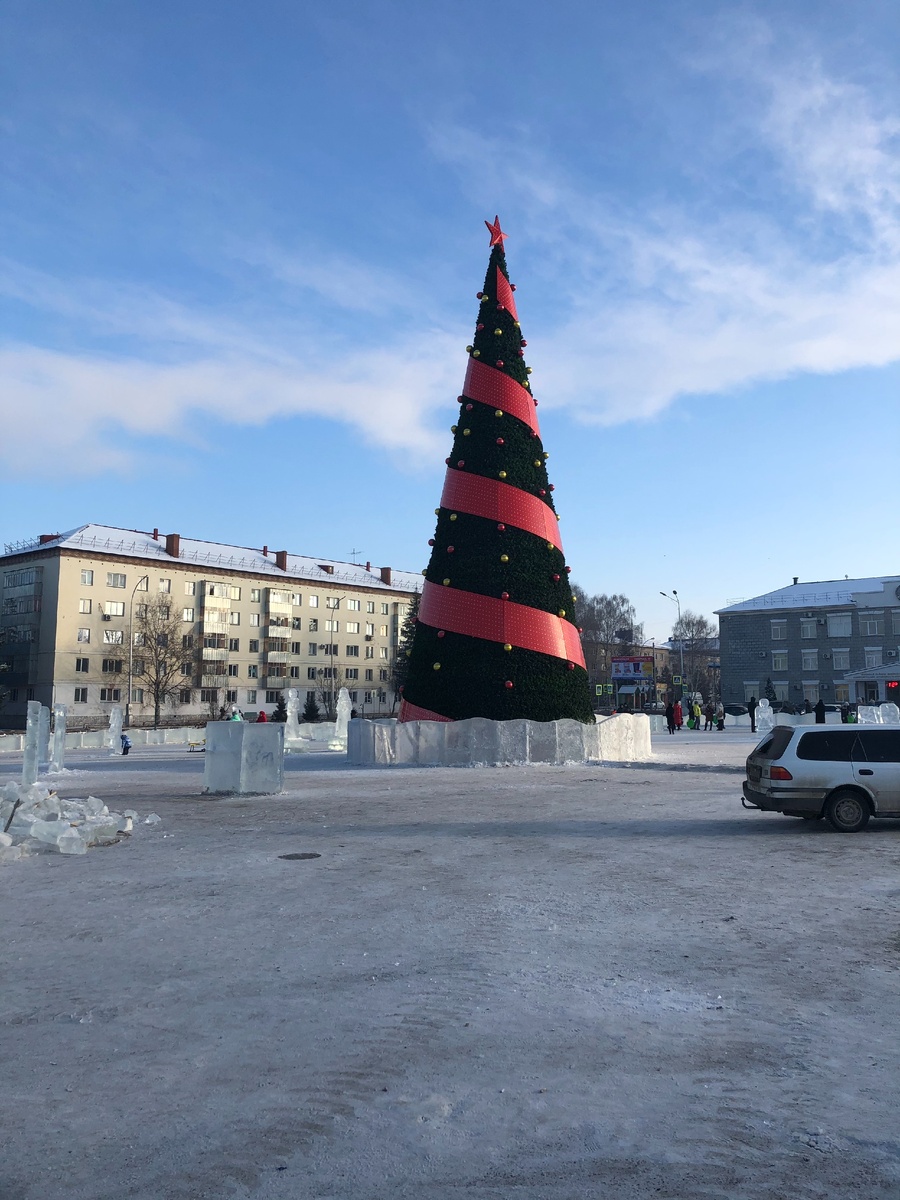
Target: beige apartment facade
244 625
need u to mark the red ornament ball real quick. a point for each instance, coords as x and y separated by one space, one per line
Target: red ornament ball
542 492
508 683
450 549
500 442
502 528
461 463
512 287
524 343
568 570
431 541
468 408
479 327
552 487
571 666
478 295
447 461
504 595
556 579
440 633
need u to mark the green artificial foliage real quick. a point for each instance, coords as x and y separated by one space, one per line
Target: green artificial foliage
473 672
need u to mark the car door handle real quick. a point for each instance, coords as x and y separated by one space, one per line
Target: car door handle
865 771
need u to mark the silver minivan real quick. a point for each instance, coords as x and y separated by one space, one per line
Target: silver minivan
845 774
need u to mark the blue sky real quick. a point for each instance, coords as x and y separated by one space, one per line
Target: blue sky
241 246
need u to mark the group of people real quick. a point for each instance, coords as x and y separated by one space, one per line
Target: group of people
710 715
237 715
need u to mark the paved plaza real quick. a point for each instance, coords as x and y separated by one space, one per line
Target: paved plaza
540 983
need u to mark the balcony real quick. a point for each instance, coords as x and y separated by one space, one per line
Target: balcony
280 632
277 656
213 681
210 655
276 681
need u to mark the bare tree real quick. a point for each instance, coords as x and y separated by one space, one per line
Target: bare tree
158 652
696 636
608 628
330 680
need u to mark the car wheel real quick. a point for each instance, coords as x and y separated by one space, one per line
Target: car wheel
847 811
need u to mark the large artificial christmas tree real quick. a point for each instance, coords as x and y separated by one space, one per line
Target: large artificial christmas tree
496 634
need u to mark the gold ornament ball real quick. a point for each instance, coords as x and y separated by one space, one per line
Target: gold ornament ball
437 512
502 474
446 583
409 653
435 666
476 354
528 370
484 299
466 432
498 332
504 558
546 455
562 612
507 646
453 516
453 428
469 349
537 462
498 412
550 546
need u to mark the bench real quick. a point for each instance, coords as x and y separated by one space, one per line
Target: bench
200 745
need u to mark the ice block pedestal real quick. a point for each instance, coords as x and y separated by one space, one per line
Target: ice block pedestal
244 758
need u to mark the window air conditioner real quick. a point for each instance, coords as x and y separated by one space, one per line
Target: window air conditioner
892 653
106 617
369 637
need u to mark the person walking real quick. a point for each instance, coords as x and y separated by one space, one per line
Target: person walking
720 716
751 709
709 712
679 715
670 717
819 710
697 714
262 719
126 743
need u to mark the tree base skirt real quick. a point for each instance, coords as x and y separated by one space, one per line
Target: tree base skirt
478 741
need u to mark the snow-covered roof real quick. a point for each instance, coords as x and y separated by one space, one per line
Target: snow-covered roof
813 595
134 543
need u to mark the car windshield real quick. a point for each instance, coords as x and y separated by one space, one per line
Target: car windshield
775 744
835 745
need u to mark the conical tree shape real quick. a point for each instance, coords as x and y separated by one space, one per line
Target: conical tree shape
496 634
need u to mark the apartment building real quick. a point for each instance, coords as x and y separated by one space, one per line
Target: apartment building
74 610
836 640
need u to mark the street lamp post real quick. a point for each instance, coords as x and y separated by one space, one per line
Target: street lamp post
675 600
143 579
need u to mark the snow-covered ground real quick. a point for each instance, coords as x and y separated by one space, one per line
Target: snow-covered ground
544 982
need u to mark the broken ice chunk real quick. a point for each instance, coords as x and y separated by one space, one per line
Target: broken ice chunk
71 843
152 819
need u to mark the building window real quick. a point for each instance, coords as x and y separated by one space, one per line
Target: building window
353 605
138 666
352 627
82 665
352 672
254 620
352 651
294 672
217 589
811 691
137 695
114 579
311 695
313 649
328 672
782 689
314 602
895 622
296 622
839 625
873 656
234 644
370 675
841 660
114 608
111 694
184 696
254 645
382 652
310 672
808 628
370 606
871 626
84 606
187 641
231 695
234 618
208 695
190 589
332 602
751 688
353 696
235 592
84 635
186 668
253 671
112 666
187 614
842 693
368 697
779 631
809 660
382 675
272 697
165 585
382 629
370 629
313 624
112 637
142 611
296 598
81 694
233 670
87 578
255 594
370 651
164 612
384 610
779 660
332 627
29 695
296 647
251 695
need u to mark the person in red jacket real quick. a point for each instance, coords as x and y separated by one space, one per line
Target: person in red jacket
262 718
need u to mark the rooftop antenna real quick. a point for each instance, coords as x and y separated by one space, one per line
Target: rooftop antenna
353 554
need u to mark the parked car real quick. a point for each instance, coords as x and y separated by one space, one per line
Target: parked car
736 710
845 774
